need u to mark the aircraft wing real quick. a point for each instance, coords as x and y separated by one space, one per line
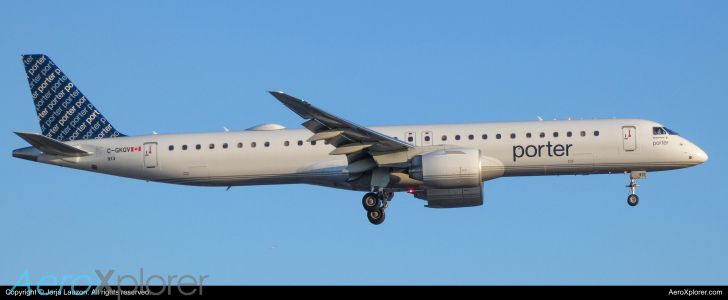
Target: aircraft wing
346 136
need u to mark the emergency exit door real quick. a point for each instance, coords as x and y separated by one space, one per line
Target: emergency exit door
629 137
427 138
150 155
411 137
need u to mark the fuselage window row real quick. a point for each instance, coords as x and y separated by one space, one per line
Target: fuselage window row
410 139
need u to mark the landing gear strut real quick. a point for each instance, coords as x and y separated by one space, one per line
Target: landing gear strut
632 198
375 204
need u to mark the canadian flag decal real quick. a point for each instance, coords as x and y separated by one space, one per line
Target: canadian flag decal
136 149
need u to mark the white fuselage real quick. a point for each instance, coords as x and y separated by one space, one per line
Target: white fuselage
277 157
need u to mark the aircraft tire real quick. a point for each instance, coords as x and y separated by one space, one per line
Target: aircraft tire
376 217
632 200
370 202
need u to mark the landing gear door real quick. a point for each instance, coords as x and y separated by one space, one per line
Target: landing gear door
629 137
411 137
427 138
150 155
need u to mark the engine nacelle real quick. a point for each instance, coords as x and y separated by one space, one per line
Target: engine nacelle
448 169
451 198
454 177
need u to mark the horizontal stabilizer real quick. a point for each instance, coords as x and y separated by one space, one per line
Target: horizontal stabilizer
51 146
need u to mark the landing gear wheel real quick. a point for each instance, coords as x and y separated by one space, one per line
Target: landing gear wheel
632 200
370 202
376 217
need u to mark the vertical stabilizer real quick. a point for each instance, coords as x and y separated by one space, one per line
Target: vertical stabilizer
63 111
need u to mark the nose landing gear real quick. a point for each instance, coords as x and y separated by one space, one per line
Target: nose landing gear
375 204
632 198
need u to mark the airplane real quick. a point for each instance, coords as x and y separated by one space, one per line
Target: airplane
443 164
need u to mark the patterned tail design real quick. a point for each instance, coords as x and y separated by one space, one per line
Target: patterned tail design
63 111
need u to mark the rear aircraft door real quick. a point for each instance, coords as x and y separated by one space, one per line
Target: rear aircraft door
629 137
427 138
411 137
150 155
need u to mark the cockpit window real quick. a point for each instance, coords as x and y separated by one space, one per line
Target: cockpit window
670 131
662 130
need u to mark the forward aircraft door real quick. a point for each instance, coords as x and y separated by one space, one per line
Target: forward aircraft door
629 137
150 155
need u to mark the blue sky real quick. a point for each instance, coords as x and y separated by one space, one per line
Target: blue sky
180 66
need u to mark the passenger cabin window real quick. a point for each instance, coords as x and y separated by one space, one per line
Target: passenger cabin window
542 135
313 143
252 145
513 135
286 143
212 146
198 147
568 133
300 143
528 135
457 137
471 137
596 132
556 134
444 137
224 146
240 145
583 133
184 147
498 136
171 147
485 136
267 144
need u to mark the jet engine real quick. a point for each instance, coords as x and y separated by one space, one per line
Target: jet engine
449 168
453 177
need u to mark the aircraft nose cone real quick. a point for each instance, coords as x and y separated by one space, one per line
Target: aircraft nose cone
702 157
699 155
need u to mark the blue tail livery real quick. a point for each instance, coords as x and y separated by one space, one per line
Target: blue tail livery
64 113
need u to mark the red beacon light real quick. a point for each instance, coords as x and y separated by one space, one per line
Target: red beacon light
411 191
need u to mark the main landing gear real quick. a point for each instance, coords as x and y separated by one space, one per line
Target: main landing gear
375 204
632 198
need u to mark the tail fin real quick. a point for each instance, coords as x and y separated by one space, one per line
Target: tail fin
63 112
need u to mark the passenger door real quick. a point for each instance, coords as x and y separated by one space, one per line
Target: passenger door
629 137
150 155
